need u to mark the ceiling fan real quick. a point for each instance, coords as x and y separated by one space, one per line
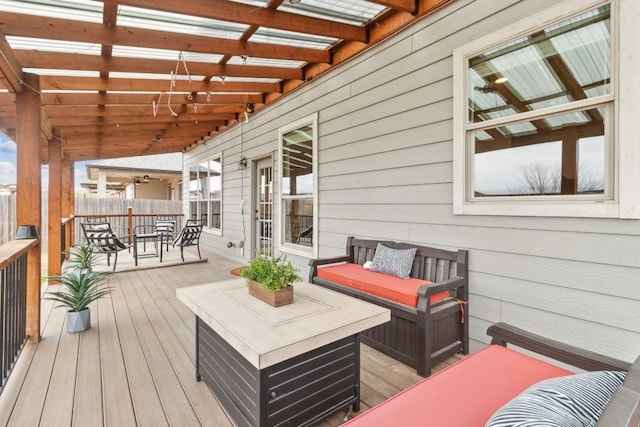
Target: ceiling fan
144 180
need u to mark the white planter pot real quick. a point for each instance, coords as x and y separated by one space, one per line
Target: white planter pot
78 321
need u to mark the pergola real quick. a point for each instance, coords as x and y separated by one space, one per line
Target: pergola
83 80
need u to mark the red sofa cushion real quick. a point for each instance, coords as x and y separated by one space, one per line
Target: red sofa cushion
464 394
404 291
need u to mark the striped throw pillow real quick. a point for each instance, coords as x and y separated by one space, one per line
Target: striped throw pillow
572 401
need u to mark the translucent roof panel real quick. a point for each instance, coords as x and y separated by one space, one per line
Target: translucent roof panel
77 10
250 80
73 73
354 12
148 76
135 52
237 60
289 38
44 45
177 23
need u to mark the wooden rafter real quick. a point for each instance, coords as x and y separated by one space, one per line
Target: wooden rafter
85 32
223 10
76 61
106 115
9 67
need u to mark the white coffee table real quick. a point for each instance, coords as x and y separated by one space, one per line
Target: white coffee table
293 364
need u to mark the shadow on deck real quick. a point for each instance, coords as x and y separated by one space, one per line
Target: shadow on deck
136 365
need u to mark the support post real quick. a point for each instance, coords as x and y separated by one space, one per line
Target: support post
55 205
130 223
68 200
29 189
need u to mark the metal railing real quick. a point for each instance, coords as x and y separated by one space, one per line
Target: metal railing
124 224
13 303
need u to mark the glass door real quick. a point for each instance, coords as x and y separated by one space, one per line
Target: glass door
263 189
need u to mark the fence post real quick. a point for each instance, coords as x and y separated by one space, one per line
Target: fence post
130 221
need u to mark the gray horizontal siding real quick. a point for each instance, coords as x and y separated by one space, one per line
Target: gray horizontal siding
385 171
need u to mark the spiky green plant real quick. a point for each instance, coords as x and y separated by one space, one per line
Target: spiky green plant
79 289
272 272
83 255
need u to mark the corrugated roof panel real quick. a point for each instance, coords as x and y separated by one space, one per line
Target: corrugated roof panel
178 23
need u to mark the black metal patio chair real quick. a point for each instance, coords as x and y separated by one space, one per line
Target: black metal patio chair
189 236
103 238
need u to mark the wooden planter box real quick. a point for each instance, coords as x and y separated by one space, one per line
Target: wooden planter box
274 298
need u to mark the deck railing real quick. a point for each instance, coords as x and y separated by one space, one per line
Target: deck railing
13 303
126 223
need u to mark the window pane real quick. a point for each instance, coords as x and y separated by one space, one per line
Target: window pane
297 161
298 221
204 212
563 63
215 181
203 180
563 154
194 192
215 214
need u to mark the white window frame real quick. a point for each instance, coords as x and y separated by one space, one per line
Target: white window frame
624 163
294 249
207 228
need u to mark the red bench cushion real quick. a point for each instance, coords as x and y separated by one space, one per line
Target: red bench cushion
404 291
464 394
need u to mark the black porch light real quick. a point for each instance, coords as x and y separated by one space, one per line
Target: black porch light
27 232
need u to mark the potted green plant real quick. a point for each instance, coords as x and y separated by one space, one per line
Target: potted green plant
270 279
79 288
83 256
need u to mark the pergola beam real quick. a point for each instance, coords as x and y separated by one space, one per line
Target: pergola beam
76 61
84 32
9 67
230 11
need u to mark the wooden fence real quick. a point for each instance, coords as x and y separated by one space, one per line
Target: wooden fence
84 206
7 217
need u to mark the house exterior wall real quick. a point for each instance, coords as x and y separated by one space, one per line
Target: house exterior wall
155 190
385 172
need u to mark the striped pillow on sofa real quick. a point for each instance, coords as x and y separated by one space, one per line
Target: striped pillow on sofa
571 401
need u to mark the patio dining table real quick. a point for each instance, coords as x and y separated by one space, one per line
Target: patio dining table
156 238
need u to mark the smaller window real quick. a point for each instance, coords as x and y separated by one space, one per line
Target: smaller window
298 201
205 193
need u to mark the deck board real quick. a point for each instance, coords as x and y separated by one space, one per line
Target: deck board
135 366
88 390
58 405
144 396
30 402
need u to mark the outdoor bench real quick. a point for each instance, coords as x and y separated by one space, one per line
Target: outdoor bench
429 320
478 390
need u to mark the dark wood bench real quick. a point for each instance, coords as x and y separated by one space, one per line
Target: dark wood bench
418 336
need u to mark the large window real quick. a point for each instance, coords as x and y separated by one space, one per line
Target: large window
205 192
534 117
298 202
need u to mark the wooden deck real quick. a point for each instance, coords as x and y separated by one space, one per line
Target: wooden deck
135 366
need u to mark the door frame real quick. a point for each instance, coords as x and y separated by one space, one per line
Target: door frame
254 203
